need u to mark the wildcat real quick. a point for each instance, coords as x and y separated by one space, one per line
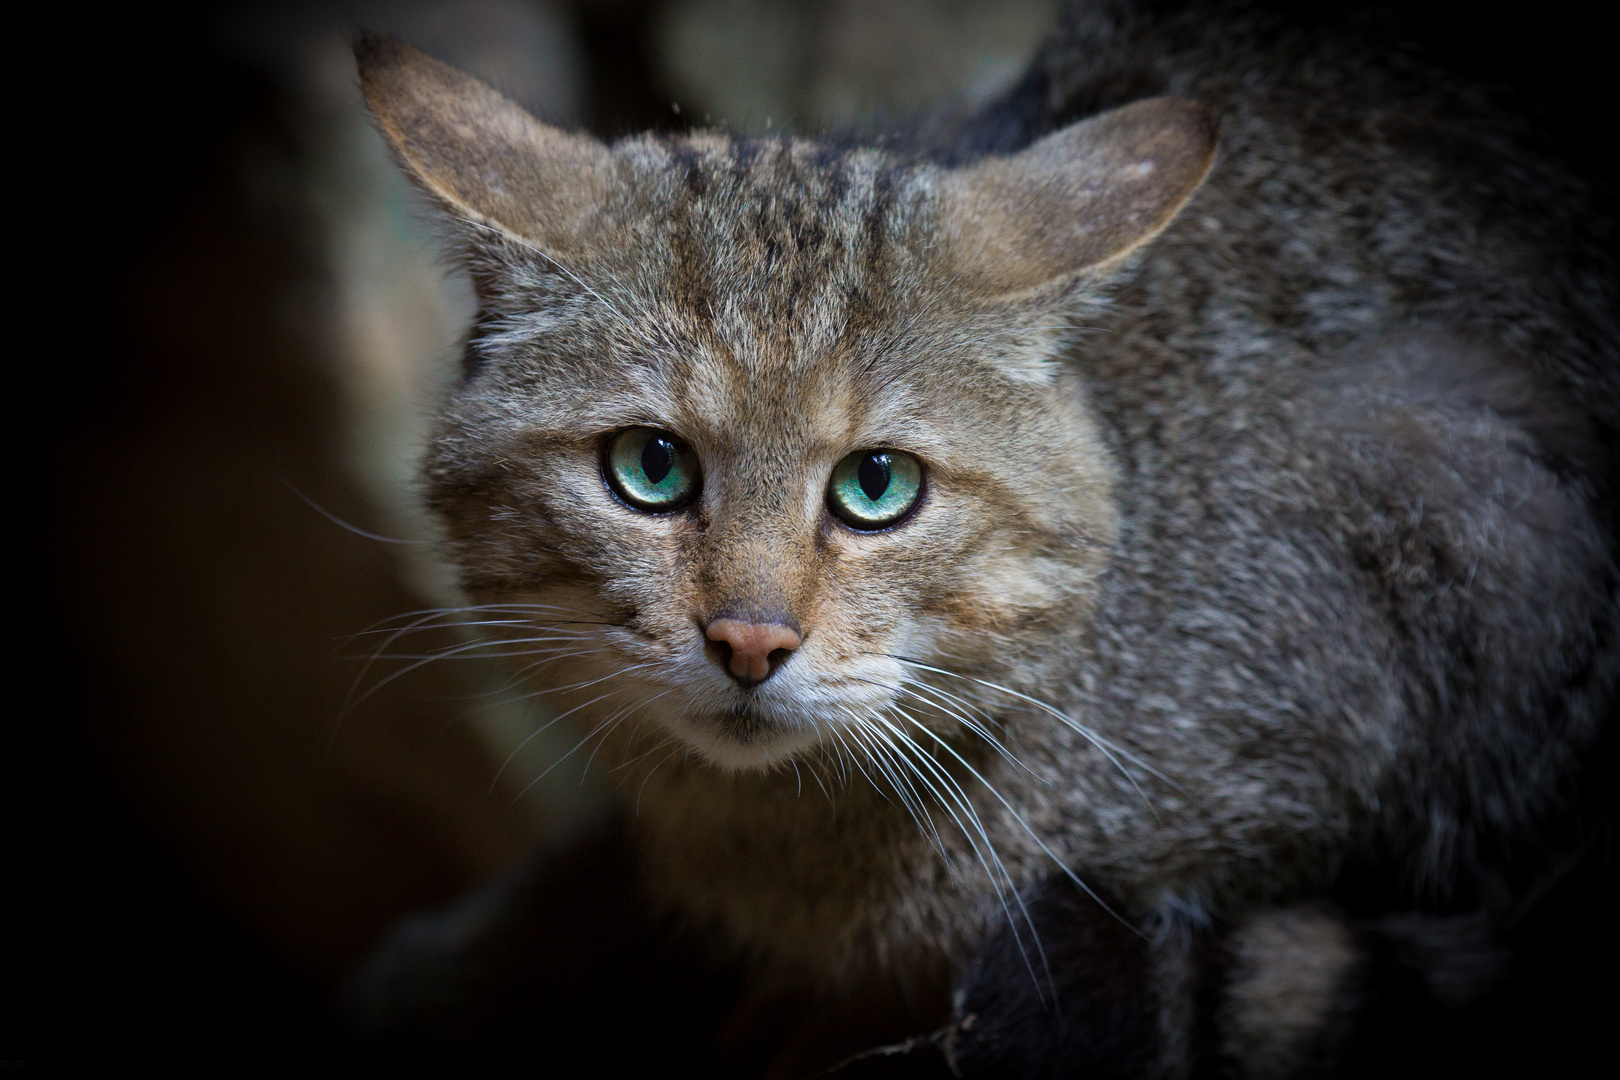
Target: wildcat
1022 573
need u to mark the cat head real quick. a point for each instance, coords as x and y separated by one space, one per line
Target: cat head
756 432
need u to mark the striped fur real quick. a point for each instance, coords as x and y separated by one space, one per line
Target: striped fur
1276 542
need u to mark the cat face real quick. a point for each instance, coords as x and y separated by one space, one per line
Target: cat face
756 433
765 333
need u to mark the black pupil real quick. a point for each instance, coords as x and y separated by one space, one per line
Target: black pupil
874 475
658 457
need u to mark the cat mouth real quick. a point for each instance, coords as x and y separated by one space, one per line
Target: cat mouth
747 736
745 723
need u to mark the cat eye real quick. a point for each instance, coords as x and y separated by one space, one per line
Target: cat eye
651 470
873 489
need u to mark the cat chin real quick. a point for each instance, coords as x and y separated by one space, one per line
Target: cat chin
741 743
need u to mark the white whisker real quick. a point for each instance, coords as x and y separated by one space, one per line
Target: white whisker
1103 745
988 857
575 278
1033 835
543 727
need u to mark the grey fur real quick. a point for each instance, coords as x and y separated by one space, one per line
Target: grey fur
1301 515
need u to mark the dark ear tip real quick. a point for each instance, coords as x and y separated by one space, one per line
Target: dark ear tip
1198 117
1184 130
367 44
374 51
1188 112
1205 117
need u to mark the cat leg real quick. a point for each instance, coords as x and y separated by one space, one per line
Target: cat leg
1309 992
1072 992
1296 991
1287 996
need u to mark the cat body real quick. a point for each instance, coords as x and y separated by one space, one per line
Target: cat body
1265 521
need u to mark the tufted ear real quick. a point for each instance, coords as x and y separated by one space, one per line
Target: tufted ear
482 156
1079 199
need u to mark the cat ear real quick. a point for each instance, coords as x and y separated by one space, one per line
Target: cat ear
481 155
1078 200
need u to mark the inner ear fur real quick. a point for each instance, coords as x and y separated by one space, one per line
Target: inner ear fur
1078 200
480 155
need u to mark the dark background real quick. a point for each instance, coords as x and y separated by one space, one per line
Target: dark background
194 859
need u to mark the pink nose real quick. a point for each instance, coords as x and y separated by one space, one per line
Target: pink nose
752 645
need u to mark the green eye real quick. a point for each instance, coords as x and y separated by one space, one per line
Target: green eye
651 470
872 489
